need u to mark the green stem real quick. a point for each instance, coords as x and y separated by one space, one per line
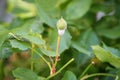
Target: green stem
32 54
57 49
60 69
33 50
43 58
1 69
83 73
97 74
14 36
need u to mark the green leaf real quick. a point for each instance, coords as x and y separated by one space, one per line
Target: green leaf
34 38
19 44
112 50
6 50
22 30
3 34
105 55
25 74
86 39
64 43
80 48
3 50
113 33
53 9
37 26
42 78
60 2
25 28
80 59
43 15
1 69
69 76
30 1
47 52
118 76
23 9
77 8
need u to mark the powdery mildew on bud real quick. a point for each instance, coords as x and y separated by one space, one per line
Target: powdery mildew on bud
61 26
61 32
93 62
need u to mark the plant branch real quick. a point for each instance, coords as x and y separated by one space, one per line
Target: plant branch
60 69
32 54
33 50
43 58
83 73
57 49
97 74
14 36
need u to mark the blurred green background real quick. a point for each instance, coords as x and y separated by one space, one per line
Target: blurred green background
90 22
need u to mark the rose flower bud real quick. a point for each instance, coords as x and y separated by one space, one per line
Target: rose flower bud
61 26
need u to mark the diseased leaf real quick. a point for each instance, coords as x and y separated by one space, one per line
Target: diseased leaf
105 55
77 8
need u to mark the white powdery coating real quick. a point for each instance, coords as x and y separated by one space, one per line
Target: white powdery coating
93 62
61 32
99 15
111 13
